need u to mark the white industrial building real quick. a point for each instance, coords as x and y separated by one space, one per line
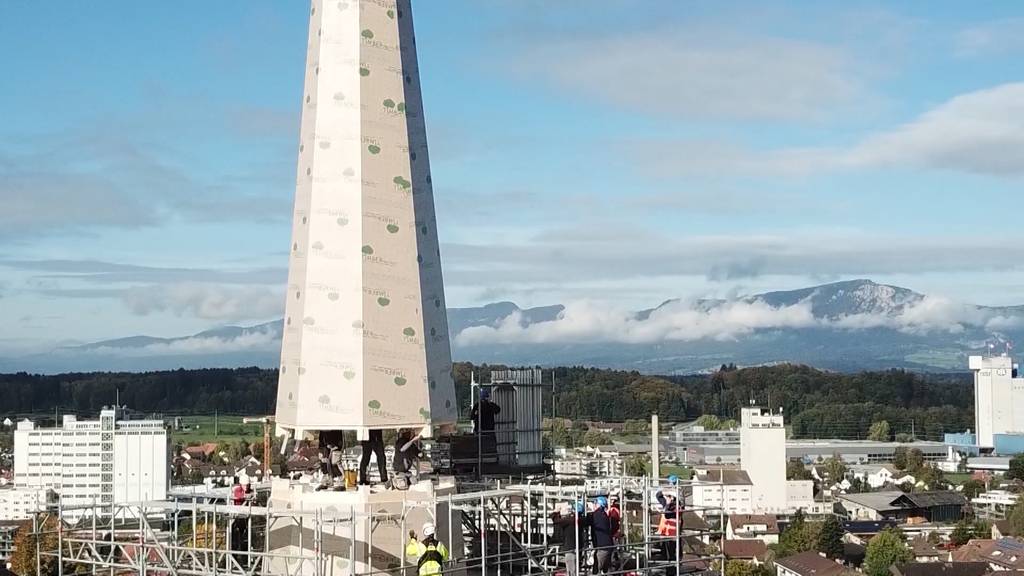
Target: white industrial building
90 462
998 398
760 487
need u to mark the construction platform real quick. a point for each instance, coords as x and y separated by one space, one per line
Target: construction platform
492 528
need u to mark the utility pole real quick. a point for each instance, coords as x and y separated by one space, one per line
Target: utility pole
216 427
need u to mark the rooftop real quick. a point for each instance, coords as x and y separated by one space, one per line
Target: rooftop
768 520
943 569
746 548
812 564
728 477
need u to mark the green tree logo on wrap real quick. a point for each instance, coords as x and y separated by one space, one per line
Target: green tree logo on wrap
425 413
401 182
373 149
368 250
393 228
373 404
389 104
383 301
391 14
400 381
409 331
368 34
364 71
349 374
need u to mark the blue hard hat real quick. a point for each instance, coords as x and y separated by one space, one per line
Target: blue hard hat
579 508
673 479
485 393
602 501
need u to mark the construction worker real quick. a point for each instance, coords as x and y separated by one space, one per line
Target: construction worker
483 413
412 551
573 532
668 526
430 554
601 531
615 515
374 444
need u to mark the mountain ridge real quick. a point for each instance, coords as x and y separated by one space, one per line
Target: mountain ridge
846 325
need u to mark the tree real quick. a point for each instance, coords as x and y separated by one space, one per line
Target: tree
904 438
709 422
915 460
795 470
931 477
962 533
884 550
636 427
835 469
972 488
739 568
830 537
799 536
23 561
596 438
880 431
1015 516
1016 471
636 465
729 424
899 457
235 451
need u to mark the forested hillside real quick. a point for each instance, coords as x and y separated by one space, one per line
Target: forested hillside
816 403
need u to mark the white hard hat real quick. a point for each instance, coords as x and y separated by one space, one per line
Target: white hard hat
428 529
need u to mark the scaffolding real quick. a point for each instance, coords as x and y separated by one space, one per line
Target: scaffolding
506 529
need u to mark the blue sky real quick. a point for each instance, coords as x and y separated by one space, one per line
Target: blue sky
617 151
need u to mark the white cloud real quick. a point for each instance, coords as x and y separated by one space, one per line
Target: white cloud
980 132
578 256
689 73
205 301
991 38
591 322
251 341
587 322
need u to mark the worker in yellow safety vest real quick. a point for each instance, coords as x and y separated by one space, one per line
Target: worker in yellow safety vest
430 554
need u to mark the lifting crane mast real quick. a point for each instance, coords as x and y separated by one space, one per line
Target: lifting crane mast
268 423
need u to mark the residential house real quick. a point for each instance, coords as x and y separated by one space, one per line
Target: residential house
201 451
860 531
749 550
879 475
809 564
1004 554
763 527
1000 529
726 489
942 569
925 551
914 508
994 504
1001 555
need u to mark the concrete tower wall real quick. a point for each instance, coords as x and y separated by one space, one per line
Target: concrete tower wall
998 398
366 337
763 457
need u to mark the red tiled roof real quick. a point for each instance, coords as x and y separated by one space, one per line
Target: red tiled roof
812 564
744 549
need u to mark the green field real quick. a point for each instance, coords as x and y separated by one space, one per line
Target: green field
684 472
215 429
957 478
